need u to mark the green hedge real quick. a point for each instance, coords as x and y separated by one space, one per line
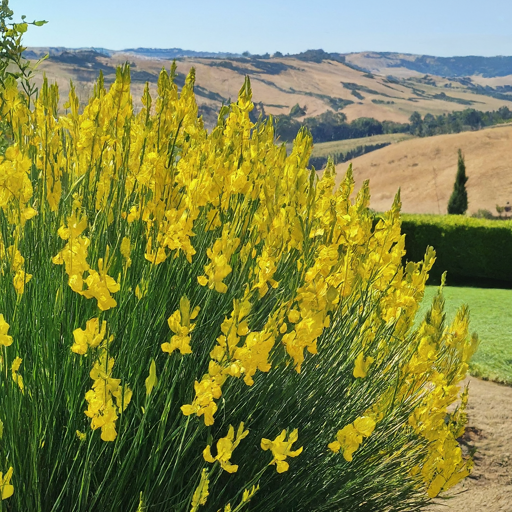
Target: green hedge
471 250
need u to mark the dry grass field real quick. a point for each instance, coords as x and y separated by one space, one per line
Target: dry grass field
342 146
424 169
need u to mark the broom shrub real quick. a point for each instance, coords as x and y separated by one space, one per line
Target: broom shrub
196 321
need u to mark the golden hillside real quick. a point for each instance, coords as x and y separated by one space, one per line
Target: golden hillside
278 84
425 168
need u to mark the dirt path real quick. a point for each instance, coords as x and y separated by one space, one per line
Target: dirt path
489 430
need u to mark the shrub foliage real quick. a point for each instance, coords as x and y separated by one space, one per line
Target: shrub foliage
194 320
467 248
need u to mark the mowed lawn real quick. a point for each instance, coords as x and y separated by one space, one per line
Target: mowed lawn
491 319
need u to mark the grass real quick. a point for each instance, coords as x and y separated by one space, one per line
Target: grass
338 146
491 318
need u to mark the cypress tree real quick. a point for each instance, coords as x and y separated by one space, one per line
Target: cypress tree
458 203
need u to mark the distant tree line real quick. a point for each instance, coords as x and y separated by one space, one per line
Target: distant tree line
455 122
330 126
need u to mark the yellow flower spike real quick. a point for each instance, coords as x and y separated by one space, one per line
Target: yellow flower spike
201 493
248 494
219 256
6 489
281 449
21 278
125 251
90 338
253 355
154 257
179 323
151 380
100 286
207 390
106 399
225 447
75 227
5 339
16 377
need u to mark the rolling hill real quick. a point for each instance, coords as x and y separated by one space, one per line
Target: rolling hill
424 169
315 80
450 67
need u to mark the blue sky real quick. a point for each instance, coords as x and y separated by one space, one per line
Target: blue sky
434 27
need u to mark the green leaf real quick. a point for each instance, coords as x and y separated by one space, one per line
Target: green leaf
21 27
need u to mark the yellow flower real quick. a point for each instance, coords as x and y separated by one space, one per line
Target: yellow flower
155 258
5 339
100 286
141 289
281 449
16 377
225 447
207 390
253 355
90 338
179 323
266 269
100 399
350 437
361 365
81 435
219 267
201 493
75 227
133 214
16 259
304 336
74 258
6 489
21 278
125 251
